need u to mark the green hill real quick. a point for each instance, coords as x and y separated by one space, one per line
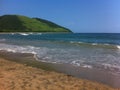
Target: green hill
18 23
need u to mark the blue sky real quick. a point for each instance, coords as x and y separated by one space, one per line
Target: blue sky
77 15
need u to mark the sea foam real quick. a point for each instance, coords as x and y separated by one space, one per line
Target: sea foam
118 46
25 34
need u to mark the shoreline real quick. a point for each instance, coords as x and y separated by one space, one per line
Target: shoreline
16 76
79 73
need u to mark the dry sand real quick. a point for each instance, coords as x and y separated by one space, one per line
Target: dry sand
14 76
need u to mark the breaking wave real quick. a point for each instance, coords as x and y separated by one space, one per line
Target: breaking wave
100 45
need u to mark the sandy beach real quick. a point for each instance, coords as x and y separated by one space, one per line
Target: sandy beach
15 76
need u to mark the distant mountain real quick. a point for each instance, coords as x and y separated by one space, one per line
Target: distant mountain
18 23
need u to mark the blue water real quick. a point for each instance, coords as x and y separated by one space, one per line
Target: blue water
91 50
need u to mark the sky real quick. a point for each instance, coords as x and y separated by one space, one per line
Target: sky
81 16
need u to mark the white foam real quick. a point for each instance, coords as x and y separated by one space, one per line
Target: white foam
15 48
80 42
19 49
75 42
24 34
13 33
87 66
30 33
11 50
118 46
94 44
71 42
75 63
110 66
31 47
35 56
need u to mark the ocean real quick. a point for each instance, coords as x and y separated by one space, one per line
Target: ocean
87 50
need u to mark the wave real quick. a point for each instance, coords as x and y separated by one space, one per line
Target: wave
12 33
118 46
111 67
76 63
18 49
39 54
49 55
99 45
80 63
87 66
25 34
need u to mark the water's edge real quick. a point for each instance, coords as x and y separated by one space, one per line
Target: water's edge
85 73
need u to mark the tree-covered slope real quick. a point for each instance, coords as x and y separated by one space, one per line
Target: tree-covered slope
17 23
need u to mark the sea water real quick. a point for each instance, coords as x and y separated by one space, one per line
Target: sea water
87 50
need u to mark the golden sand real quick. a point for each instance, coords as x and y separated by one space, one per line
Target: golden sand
14 76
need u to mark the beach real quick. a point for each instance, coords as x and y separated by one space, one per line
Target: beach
50 61
16 76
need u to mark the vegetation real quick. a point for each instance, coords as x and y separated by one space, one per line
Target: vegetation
17 23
